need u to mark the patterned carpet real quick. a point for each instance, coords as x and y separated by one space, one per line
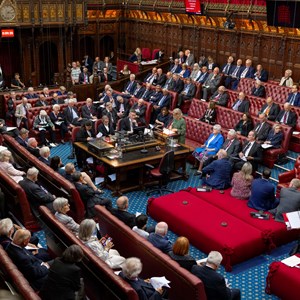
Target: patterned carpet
249 276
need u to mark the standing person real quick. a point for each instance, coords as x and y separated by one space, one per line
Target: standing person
241 182
64 278
214 283
178 125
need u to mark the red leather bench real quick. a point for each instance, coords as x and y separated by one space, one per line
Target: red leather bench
208 227
100 280
15 277
184 285
283 281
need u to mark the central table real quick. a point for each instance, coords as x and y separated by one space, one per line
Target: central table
134 160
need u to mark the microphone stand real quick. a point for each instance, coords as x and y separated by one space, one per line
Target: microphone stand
144 151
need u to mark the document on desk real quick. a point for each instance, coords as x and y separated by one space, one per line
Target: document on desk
293 219
168 131
291 261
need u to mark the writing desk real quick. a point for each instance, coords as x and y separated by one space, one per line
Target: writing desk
130 168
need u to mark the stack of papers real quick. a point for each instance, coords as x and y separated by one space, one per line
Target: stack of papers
158 282
291 261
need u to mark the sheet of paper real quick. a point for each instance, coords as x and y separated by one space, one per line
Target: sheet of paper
10 128
112 177
99 180
158 282
291 261
266 146
2 148
294 219
167 131
99 135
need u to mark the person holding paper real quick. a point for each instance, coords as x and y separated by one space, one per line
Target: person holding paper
178 125
131 270
59 121
289 200
214 283
275 137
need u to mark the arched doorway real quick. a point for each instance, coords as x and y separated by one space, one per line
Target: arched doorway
106 46
48 62
87 47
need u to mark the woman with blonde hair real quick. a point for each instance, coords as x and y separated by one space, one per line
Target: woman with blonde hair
178 125
180 253
241 182
7 167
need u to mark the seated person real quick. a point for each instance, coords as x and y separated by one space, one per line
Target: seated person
156 95
159 238
122 107
22 138
131 269
261 74
105 128
11 107
185 72
287 79
62 91
16 82
57 100
32 147
121 212
89 196
84 76
289 200
61 207
220 96
164 101
211 146
187 93
43 123
88 111
31 93
263 193
136 57
64 278
178 125
104 251
36 194
139 90
258 90
33 269
130 86
294 96
151 78
125 71
286 116
270 109
219 172
4 130
211 83
141 224
42 101
59 121
21 113
105 76
129 123
180 253
56 165
214 283
244 126
163 119
45 155
241 182
72 115
111 113
7 167
241 104
262 128
140 109
210 114
232 145
275 136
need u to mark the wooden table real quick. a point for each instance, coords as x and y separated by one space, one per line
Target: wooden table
130 168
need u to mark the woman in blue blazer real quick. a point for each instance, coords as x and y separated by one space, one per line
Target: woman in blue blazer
211 146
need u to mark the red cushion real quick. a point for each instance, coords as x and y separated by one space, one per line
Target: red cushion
202 222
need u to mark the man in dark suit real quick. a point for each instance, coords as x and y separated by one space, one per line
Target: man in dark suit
241 104
121 212
105 128
31 94
140 109
228 68
232 145
214 283
203 76
233 78
190 59
155 96
220 96
178 83
42 101
72 115
188 92
169 84
129 123
36 194
33 148
88 63
88 111
139 90
151 77
294 97
130 86
289 200
84 76
161 77
258 90
251 152
159 238
219 172
262 128
211 83
111 113
261 74
122 107
89 196
270 109
147 93
246 72
263 193
163 101
175 68
22 138
105 75
33 269
286 116
45 155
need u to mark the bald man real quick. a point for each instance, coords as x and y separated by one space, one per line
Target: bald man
159 238
121 212
33 269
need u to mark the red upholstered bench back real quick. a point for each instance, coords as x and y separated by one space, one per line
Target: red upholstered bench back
15 277
227 117
197 108
277 92
17 201
95 269
245 85
184 285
